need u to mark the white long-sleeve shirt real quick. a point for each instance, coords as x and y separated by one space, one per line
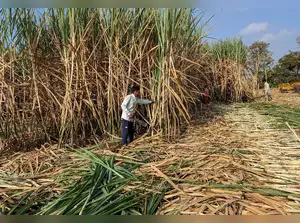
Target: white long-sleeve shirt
129 104
267 87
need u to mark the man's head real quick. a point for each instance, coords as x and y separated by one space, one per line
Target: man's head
136 91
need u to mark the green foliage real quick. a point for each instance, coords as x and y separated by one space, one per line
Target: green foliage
259 52
290 62
228 49
97 187
287 69
279 113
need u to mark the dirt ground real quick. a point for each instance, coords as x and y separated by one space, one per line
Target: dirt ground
290 99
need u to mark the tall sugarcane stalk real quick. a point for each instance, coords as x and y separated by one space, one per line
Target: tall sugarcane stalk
79 64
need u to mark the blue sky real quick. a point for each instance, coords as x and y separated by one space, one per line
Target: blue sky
275 22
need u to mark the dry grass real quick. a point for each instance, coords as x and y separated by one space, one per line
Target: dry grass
290 99
231 167
238 163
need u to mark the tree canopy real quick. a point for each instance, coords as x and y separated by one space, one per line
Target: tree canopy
259 60
287 69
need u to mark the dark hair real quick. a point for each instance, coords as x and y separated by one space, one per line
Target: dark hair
135 88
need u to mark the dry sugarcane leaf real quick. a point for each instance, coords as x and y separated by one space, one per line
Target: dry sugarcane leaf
161 174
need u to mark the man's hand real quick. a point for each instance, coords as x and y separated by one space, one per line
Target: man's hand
130 116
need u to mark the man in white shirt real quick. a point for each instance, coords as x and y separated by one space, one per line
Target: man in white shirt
128 109
267 91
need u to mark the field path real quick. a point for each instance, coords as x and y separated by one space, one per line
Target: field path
238 163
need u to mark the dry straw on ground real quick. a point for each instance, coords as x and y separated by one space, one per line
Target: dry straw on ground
239 163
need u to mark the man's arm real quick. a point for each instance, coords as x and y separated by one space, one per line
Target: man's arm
143 101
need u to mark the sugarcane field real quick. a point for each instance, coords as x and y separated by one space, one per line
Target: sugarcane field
141 111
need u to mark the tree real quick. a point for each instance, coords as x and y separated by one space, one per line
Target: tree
291 62
260 61
287 69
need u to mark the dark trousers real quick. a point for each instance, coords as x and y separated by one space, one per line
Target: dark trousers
127 132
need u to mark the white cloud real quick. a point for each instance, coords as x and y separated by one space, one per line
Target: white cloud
254 28
268 37
280 35
284 32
